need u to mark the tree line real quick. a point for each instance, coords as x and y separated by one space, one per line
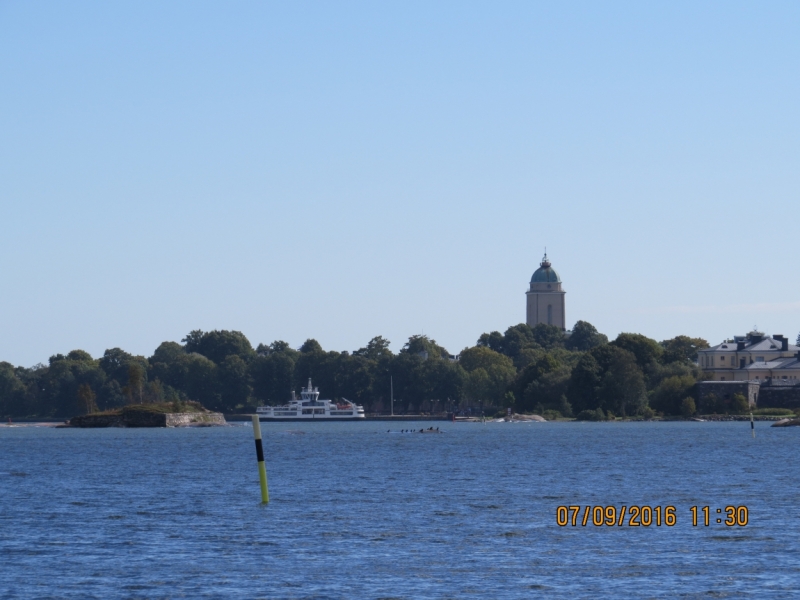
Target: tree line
529 369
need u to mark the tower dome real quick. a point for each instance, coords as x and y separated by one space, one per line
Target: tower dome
545 299
545 273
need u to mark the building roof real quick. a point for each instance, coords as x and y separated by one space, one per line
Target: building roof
765 344
545 273
732 382
777 364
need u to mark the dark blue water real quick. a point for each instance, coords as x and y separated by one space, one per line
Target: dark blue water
359 513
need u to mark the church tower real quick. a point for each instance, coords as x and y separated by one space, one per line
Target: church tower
546 298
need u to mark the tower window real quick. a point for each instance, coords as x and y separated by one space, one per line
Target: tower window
549 314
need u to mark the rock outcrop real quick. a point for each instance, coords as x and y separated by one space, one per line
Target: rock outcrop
144 418
787 423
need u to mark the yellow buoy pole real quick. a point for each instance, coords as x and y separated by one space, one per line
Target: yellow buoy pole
262 469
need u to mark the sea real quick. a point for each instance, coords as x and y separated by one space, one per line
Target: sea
364 510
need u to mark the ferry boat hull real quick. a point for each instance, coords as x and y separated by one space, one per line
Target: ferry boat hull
319 419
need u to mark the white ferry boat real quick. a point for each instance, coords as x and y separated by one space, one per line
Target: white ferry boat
310 407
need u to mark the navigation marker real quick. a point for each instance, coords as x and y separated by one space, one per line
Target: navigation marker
752 426
262 469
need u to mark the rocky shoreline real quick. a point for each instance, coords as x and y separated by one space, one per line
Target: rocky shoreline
741 418
148 419
787 423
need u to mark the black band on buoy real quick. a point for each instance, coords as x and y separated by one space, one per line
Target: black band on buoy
259 451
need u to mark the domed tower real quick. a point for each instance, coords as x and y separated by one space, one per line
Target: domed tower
546 298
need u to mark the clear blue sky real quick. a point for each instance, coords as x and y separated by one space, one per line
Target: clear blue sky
342 170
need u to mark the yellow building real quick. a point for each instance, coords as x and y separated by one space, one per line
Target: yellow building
755 356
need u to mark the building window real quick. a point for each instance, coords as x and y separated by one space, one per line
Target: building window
722 358
722 379
549 314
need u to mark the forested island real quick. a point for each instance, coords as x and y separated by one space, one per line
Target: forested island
539 369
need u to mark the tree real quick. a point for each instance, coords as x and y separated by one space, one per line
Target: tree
234 387
12 391
272 377
609 377
167 353
321 367
537 382
591 415
115 363
682 349
154 392
488 374
135 388
493 340
201 383
622 389
442 381
643 348
377 348
216 345
281 346
739 405
86 399
518 338
584 337
56 386
483 357
669 395
710 404
355 379
688 407
80 355
310 345
584 383
422 344
549 389
548 336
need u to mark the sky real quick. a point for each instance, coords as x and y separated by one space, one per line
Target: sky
341 170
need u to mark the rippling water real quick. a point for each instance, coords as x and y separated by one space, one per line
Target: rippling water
357 512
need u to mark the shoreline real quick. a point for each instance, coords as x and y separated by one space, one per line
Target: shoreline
234 418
